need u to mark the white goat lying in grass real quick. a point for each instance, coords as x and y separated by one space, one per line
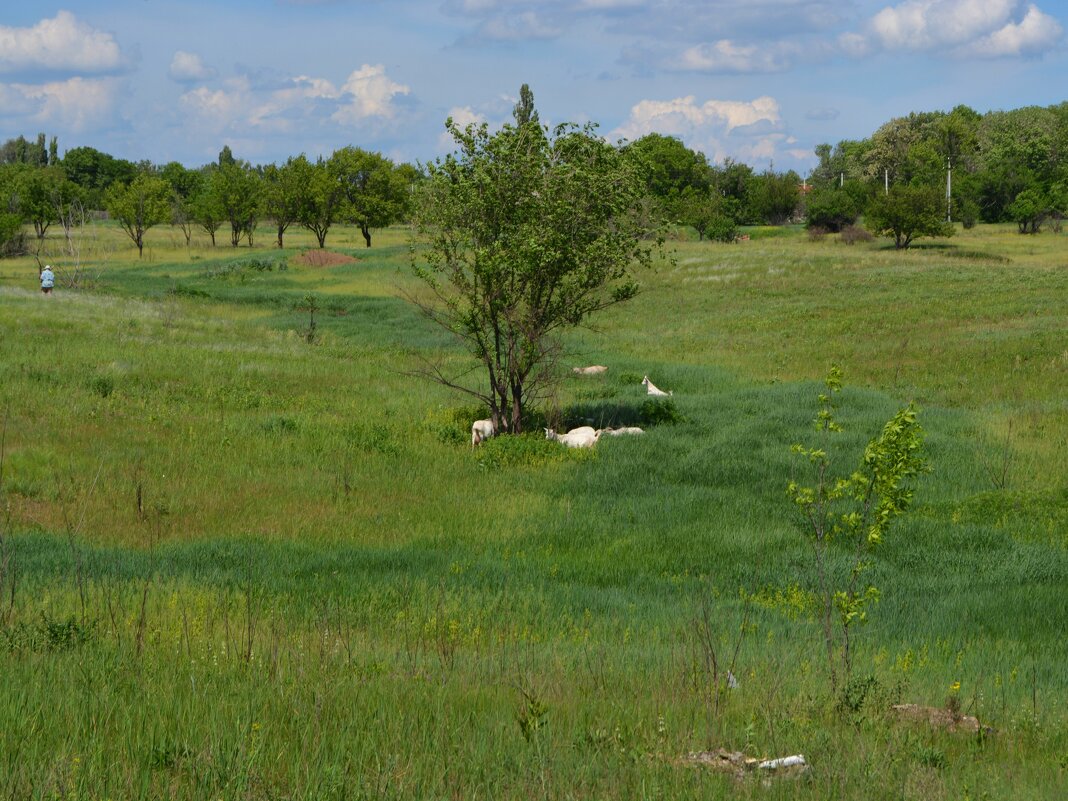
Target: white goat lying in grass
594 369
652 389
482 430
619 432
581 437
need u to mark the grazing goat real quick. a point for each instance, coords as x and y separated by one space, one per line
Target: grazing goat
581 437
482 430
652 389
619 432
594 369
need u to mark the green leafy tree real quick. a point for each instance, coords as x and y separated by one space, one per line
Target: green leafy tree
527 233
239 192
774 197
282 188
832 208
185 185
373 191
206 206
1029 210
708 214
140 205
524 110
846 518
670 170
908 212
44 194
95 172
732 181
321 200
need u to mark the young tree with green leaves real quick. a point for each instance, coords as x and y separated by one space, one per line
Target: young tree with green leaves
321 200
846 518
528 233
282 187
908 212
139 205
374 191
1029 210
239 192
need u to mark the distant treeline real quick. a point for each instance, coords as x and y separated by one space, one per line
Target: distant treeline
998 167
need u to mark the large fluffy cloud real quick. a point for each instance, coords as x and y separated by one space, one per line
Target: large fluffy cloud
76 104
719 128
59 44
189 67
368 95
962 28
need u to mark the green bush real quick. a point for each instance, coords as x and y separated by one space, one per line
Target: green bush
656 411
528 450
12 237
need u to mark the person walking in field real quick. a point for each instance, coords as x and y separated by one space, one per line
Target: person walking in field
48 280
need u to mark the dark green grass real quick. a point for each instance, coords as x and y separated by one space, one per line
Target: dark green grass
248 566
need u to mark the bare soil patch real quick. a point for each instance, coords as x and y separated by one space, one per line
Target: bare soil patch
322 258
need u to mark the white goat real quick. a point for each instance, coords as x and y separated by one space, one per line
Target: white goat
593 369
652 389
482 430
581 437
619 432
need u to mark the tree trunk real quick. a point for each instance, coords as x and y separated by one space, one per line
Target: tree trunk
321 236
281 230
366 234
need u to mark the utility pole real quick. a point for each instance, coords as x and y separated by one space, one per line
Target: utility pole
841 179
886 180
949 190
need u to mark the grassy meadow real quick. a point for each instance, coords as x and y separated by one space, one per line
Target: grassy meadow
246 558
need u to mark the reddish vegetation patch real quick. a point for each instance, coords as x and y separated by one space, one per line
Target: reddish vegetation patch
322 258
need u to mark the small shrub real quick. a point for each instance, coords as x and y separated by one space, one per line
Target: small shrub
46 635
279 424
626 378
374 437
852 234
527 450
816 233
657 411
182 291
931 757
453 425
102 385
721 228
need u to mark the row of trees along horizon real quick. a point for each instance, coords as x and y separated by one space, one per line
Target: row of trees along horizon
1007 166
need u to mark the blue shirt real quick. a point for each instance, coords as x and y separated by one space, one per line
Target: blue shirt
48 278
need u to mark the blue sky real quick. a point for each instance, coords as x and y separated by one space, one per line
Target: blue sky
760 81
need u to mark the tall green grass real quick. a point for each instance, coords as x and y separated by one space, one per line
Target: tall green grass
242 565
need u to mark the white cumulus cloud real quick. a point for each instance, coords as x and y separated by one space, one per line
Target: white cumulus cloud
59 44
367 93
77 104
728 56
960 28
716 127
462 116
1035 33
188 67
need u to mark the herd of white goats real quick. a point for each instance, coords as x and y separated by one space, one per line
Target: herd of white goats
581 437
